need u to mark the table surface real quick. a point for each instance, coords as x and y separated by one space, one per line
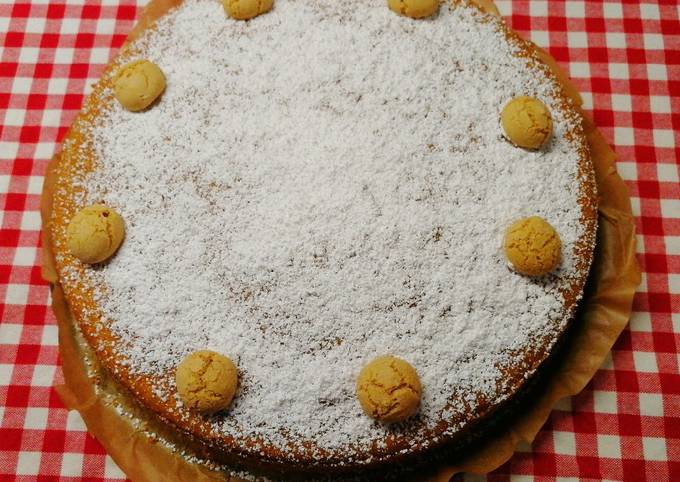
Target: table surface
625 60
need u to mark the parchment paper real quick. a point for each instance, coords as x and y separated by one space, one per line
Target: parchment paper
604 313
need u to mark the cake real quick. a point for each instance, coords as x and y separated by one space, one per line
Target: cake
323 184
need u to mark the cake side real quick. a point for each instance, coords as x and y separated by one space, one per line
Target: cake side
84 302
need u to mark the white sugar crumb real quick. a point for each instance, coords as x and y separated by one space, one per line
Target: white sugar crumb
321 185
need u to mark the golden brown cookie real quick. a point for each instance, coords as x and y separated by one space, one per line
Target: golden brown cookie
526 122
95 233
206 381
246 9
138 84
414 8
532 246
389 389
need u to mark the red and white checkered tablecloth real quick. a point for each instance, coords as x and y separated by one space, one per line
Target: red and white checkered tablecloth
625 60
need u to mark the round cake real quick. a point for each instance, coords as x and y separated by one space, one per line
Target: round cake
318 186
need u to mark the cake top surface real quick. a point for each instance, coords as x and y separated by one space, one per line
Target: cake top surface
321 185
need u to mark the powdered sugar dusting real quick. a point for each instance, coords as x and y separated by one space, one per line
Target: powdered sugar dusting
321 185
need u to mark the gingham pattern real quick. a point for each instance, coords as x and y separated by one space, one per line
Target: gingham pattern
623 57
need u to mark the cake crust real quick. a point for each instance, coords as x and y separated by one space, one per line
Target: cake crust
253 453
